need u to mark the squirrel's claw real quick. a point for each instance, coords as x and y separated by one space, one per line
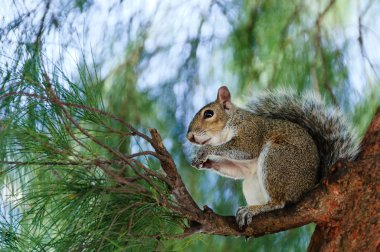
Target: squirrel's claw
244 216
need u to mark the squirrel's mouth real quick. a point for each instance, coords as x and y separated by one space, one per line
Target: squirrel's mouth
206 141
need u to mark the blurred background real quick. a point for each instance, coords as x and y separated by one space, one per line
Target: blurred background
157 62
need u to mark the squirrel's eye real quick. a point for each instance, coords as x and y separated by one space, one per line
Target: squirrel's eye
208 113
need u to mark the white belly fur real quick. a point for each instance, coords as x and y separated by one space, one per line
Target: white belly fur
253 178
253 188
253 192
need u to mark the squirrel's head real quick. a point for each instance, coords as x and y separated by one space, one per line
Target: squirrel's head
209 124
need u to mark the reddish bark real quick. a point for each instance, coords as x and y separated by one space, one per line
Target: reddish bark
355 224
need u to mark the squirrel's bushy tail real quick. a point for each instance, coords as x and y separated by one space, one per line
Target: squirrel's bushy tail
333 136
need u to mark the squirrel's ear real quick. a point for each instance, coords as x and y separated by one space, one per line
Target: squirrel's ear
224 97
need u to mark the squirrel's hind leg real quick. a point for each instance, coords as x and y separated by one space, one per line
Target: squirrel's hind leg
284 172
288 171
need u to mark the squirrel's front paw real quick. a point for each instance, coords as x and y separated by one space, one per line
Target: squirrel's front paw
244 216
200 159
197 163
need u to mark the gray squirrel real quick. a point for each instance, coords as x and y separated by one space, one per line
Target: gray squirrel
281 145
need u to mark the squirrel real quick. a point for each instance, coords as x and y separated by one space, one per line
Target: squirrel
280 145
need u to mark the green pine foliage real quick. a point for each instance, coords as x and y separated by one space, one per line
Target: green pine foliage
60 197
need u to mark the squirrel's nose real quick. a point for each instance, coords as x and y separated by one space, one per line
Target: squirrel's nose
191 137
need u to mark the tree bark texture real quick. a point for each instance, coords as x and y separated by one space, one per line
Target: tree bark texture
353 224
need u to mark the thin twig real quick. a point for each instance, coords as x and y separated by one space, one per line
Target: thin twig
318 45
144 153
152 173
361 40
43 163
84 107
131 221
42 22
